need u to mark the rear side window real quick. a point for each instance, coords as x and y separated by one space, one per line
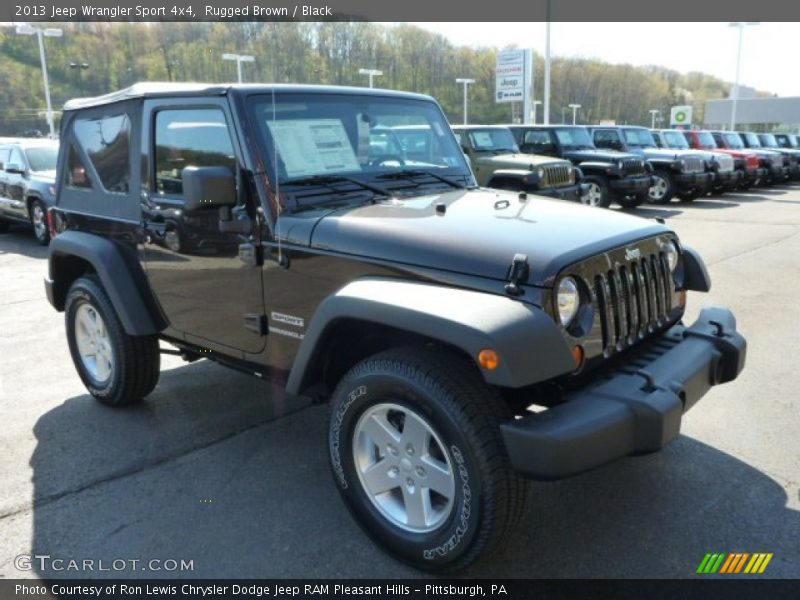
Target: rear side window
76 171
190 138
107 142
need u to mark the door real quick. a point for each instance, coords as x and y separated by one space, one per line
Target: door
205 279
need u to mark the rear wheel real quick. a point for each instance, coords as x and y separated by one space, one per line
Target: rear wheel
38 216
118 369
418 457
598 193
663 188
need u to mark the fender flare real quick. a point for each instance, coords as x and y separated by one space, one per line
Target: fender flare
529 343
122 279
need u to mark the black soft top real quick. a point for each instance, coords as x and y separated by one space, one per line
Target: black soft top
162 89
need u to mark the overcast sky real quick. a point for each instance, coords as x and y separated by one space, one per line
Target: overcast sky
769 53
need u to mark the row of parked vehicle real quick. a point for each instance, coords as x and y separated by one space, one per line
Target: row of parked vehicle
596 165
627 165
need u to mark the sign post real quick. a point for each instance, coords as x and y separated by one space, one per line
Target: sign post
514 80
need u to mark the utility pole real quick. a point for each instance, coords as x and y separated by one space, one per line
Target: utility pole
466 83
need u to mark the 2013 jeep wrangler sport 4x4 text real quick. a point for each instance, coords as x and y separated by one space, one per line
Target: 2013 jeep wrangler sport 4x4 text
465 338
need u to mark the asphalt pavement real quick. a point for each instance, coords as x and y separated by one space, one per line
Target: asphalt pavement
218 470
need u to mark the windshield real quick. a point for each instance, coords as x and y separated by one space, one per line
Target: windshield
492 140
328 136
639 138
574 138
768 140
706 140
733 140
42 159
752 140
675 139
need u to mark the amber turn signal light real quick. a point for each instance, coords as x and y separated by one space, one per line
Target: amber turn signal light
488 359
578 356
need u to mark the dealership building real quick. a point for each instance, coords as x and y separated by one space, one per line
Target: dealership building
754 113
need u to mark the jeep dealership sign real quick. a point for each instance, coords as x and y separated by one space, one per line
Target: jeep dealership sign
510 76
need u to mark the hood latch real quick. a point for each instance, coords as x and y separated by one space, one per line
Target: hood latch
518 272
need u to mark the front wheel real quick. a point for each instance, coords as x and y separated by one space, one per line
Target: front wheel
418 457
663 189
118 369
598 193
38 217
633 201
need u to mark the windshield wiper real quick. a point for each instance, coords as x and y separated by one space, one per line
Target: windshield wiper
329 179
412 173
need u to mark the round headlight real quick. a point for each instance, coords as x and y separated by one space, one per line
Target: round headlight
567 300
671 252
620 164
540 173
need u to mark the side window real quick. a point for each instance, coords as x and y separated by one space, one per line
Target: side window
604 137
197 137
76 171
16 157
106 141
4 154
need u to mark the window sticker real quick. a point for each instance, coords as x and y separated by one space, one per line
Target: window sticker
313 146
483 139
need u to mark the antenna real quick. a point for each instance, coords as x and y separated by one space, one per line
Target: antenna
277 182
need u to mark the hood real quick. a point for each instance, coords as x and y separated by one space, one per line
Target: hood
479 233
598 154
665 153
44 176
516 161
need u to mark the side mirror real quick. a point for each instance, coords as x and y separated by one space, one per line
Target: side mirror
14 168
208 186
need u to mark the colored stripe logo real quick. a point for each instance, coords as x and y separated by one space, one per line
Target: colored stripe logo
736 562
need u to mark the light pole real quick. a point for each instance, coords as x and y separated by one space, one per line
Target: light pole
239 58
563 115
535 104
735 95
372 74
653 113
40 33
79 66
466 83
574 108
547 67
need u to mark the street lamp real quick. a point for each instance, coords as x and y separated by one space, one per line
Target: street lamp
466 83
372 74
535 104
79 67
653 113
563 115
574 108
239 58
25 29
735 95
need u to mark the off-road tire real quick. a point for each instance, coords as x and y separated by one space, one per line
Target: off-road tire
465 414
137 360
599 194
690 196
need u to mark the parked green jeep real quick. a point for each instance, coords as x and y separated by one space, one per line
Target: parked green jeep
497 163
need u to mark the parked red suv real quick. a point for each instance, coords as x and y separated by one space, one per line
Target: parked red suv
743 160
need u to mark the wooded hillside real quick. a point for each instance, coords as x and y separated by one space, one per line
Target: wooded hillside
411 58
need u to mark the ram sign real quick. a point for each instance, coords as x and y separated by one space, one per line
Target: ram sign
510 82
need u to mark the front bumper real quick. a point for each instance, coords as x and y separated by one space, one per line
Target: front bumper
754 176
636 410
727 179
687 182
570 192
630 186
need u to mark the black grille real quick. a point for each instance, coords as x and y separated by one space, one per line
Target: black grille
633 167
557 175
633 300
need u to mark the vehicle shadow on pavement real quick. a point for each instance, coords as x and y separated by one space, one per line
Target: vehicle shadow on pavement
205 471
19 240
